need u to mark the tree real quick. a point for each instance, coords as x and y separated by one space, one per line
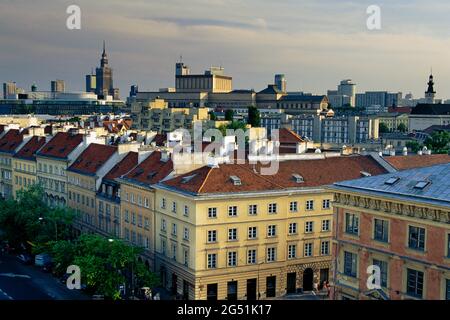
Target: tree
402 127
383 128
212 116
439 142
28 218
229 115
254 117
413 145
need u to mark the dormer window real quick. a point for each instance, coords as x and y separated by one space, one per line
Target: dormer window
236 180
421 184
298 178
187 178
391 181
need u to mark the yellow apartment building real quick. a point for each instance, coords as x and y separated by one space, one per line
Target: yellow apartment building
24 164
137 201
230 233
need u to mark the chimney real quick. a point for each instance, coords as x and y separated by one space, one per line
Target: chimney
143 154
405 151
165 155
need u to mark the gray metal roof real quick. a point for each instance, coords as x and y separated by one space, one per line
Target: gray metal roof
437 191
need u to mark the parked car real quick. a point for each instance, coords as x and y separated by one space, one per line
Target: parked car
44 261
25 258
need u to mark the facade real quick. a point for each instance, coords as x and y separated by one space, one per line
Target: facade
84 178
400 223
24 164
53 160
393 120
104 79
377 101
138 201
424 116
10 142
213 80
229 233
9 90
280 82
156 116
58 86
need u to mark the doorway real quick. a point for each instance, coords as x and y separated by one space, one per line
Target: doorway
174 283
271 286
251 289
211 291
232 293
291 282
308 277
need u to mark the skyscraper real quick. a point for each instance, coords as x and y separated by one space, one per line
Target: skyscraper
9 89
104 78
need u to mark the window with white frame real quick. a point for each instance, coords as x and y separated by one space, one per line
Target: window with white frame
174 207
310 205
163 203
271 230
212 212
351 223
272 208
293 228
212 260
232 211
292 251
232 234
271 254
163 225
186 234
252 232
326 204
212 236
308 252
232 259
325 225
186 211
146 202
325 248
253 209
251 256
174 229
293 206
309 226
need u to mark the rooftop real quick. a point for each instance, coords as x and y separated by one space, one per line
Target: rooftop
151 170
123 167
431 109
92 158
61 145
287 136
11 140
428 185
416 161
28 151
314 173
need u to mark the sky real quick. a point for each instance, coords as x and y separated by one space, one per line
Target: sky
315 43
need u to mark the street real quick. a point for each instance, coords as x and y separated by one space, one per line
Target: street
25 282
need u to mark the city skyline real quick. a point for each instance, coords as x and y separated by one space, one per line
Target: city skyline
146 39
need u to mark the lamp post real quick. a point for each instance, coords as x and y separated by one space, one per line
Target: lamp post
56 227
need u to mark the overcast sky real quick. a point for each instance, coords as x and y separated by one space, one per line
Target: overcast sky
315 43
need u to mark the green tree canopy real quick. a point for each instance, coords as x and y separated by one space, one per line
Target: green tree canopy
402 127
383 128
439 142
229 115
254 117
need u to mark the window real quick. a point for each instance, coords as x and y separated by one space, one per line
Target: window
326 204
350 264
163 225
127 214
416 238
253 209
232 234
310 205
174 252
163 246
186 258
292 228
308 249
174 207
272 208
381 230
448 245
186 234
325 248
383 271
293 206
232 211
252 233
414 285
212 261
146 223
232 259
271 254
146 203
133 218
212 236
292 251
251 256
309 226
212 212
325 225
272 231
447 289
139 217
174 229
163 203
186 211
351 223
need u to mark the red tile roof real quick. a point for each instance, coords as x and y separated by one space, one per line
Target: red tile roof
124 166
151 170
61 145
93 158
315 173
11 141
287 136
416 161
28 151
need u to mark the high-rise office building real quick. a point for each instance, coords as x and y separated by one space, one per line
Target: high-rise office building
280 82
58 86
104 78
9 89
91 83
348 88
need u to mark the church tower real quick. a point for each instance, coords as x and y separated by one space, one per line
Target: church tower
430 93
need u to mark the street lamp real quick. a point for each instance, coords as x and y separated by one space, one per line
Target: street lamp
56 227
